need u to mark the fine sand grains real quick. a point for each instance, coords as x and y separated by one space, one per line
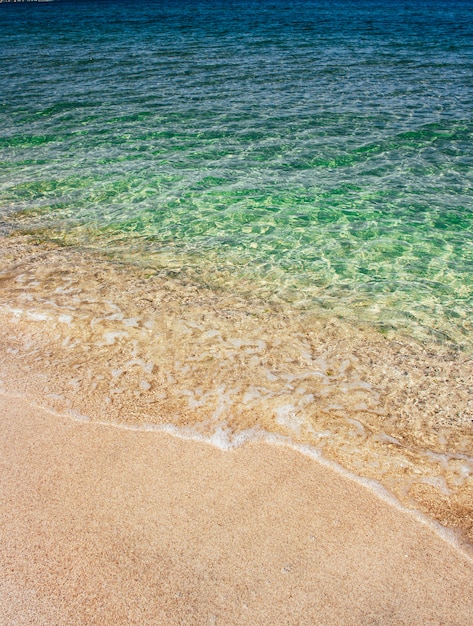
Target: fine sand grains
108 526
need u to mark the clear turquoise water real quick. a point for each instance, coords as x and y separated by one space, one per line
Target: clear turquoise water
317 154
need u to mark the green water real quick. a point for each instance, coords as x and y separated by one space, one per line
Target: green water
313 155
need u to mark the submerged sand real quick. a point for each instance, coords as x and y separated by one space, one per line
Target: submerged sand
101 525
86 336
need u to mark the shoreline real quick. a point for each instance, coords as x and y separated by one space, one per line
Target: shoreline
221 441
124 526
105 344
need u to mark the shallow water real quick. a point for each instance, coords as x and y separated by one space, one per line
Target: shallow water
316 153
108 342
247 218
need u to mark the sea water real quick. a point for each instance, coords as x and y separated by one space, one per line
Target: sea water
236 218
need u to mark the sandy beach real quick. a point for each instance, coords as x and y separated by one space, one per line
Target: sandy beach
101 525
236 313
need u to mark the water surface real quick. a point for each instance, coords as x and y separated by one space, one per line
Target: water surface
248 217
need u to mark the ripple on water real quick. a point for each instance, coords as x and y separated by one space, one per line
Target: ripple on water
146 351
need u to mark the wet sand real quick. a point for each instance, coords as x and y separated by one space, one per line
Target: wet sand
101 525
85 336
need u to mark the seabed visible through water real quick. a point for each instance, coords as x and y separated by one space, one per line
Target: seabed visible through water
109 342
244 220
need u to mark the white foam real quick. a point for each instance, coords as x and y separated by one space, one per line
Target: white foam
114 317
38 317
287 416
359 385
255 393
146 366
209 334
360 429
78 416
225 400
438 482
223 438
55 396
445 458
113 306
448 535
194 402
270 376
464 472
15 311
131 322
381 436
309 374
111 336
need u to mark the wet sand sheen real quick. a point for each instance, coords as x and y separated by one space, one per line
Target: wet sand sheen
114 343
108 526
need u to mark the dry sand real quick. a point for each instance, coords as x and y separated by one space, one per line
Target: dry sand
101 525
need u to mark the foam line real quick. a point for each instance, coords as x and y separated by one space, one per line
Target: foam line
224 440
